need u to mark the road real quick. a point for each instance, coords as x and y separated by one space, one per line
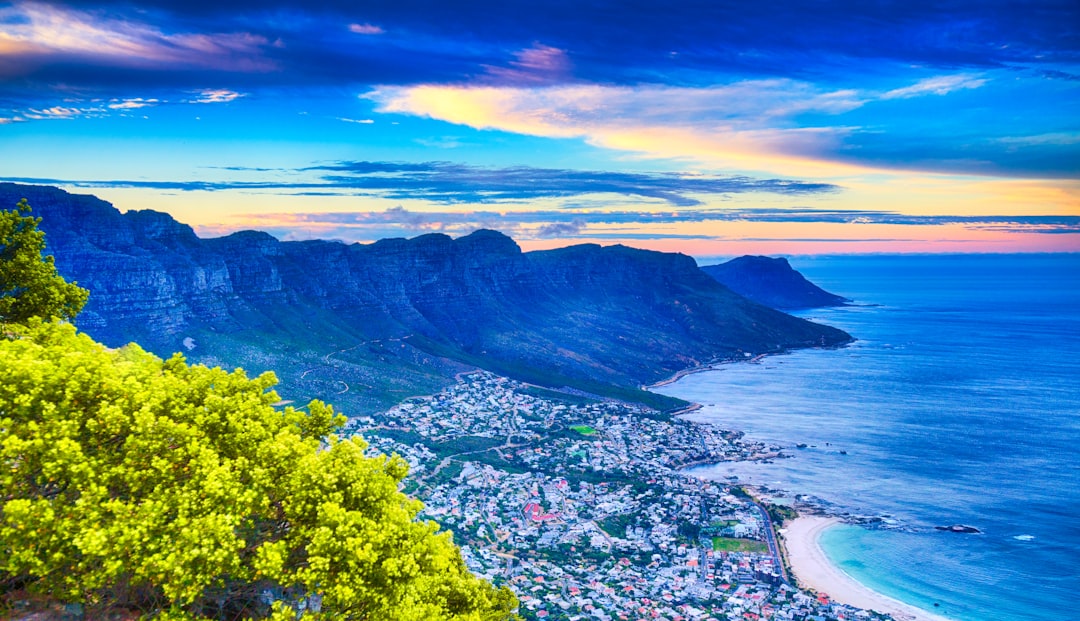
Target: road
770 538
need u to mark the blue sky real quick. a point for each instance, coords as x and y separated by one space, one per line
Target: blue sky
712 128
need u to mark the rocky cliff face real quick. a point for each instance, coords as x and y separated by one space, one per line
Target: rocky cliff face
772 282
366 325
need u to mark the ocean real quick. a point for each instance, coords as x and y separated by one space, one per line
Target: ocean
958 404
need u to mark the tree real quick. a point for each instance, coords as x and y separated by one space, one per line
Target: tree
29 284
182 492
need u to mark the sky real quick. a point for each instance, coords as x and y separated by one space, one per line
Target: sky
712 128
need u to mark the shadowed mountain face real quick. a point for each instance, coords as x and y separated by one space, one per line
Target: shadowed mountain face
771 282
367 325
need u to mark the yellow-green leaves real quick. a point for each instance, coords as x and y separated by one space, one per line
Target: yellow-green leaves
181 492
29 284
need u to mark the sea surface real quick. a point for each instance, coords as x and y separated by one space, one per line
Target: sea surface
958 404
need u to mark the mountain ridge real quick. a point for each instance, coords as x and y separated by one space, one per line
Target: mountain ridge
366 325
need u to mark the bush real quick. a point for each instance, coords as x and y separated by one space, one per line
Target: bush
181 491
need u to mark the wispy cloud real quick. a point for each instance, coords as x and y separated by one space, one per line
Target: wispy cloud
99 107
561 229
455 183
58 112
218 95
288 42
133 103
366 29
938 85
42 30
539 64
1055 138
451 183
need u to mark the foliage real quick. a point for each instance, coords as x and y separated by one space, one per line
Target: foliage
180 492
689 530
29 284
739 492
464 444
617 524
781 514
728 544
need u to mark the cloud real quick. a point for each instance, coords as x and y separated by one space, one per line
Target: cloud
539 64
366 29
42 31
58 112
441 142
703 82
98 108
456 183
452 183
938 85
684 42
133 103
740 126
219 95
1055 138
359 121
763 127
561 229
1054 74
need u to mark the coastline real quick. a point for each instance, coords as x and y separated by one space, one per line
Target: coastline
681 374
814 571
801 549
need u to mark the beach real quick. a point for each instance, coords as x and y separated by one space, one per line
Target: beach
813 570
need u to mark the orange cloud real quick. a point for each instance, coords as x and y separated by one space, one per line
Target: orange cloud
659 122
744 127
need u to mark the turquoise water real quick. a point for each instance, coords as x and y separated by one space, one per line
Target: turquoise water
959 403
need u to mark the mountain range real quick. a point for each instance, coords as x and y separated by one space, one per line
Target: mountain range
366 325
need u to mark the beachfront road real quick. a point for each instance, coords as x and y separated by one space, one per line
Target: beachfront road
770 538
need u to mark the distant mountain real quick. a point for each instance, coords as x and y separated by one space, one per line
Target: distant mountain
366 325
772 282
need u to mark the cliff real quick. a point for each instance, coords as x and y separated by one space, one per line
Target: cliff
772 282
365 325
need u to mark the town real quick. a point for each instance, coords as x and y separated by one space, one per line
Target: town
584 510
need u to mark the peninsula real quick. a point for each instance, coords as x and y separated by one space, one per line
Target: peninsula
773 282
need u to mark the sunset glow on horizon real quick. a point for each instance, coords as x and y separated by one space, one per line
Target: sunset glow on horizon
704 128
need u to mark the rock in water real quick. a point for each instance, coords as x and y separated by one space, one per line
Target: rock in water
960 528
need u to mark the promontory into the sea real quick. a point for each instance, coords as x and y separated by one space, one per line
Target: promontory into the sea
772 282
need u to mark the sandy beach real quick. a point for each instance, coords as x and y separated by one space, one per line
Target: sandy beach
813 570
